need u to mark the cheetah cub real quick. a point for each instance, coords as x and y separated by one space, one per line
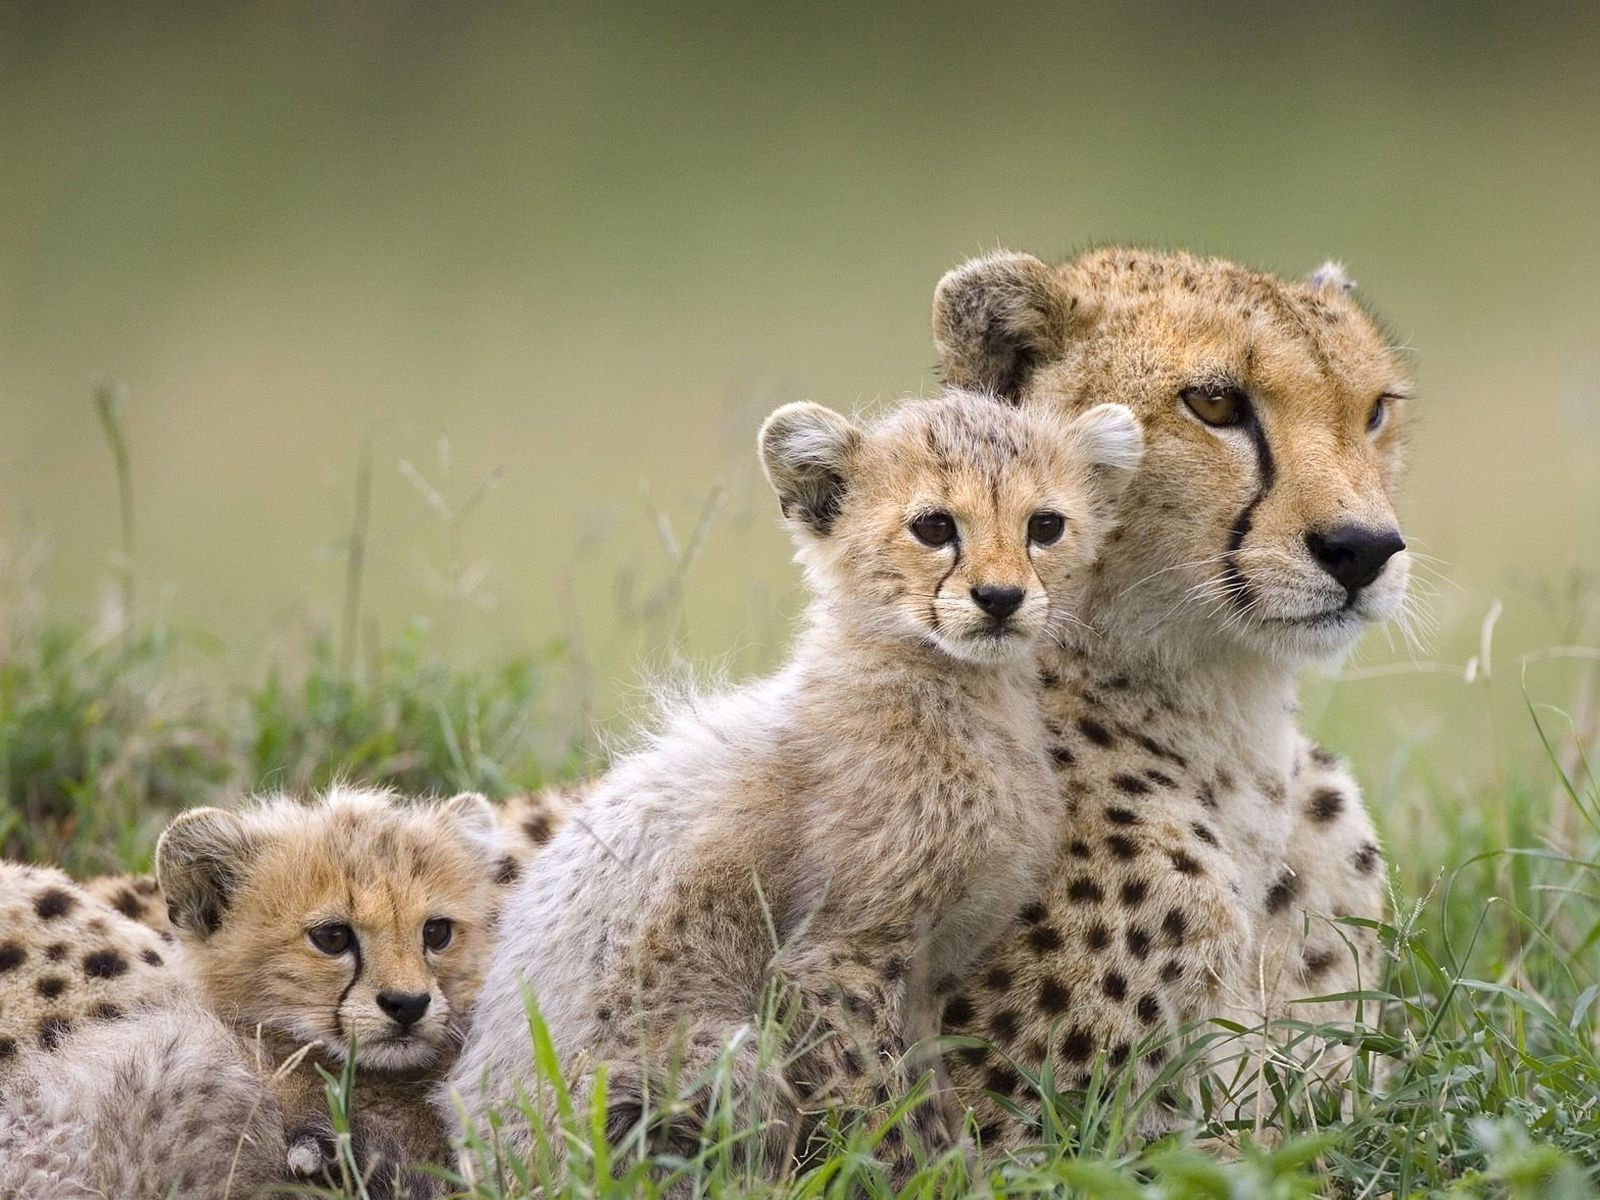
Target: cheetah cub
306 934
852 828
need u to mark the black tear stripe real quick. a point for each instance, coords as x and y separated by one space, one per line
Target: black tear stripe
1266 469
933 602
338 1005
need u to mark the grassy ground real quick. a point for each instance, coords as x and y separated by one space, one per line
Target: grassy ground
1483 1025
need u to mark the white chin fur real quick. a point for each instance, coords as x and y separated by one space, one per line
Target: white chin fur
1307 629
984 649
396 1055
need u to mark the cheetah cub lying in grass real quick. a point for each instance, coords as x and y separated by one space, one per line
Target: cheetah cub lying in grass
302 930
849 829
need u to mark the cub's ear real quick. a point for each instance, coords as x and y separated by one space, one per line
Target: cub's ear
1331 277
200 861
475 817
995 319
807 451
1108 436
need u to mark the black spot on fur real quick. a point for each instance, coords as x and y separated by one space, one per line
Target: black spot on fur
1098 937
106 1012
56 951
1326 804
1077 1045
54 902
1084 891
1078 849
8 1047
1184 864
1130 785
1171 971
1133 892
1208 796
1122 847
1119 1054
1095 732
128 904
1114 985
1282 893
1366 857
1203 832
52 1030
1324 758
1044 938
1175 925
1121 816
1048 678
1138 943
507 870
1004 1024
1053 996
997 980
1002 1080
12 956
1161 779
1316 963
957 1011
1149 1008
1151 746
1063 755
537 829
50 986
1034 913
104 964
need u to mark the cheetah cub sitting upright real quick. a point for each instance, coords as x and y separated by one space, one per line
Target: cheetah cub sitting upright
851 828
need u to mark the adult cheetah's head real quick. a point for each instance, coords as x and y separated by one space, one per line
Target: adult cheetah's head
1273 414
352 918
959 523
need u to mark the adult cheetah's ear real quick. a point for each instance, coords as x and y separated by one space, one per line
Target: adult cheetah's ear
1330 276
995 319
1110 439
806 451
200 861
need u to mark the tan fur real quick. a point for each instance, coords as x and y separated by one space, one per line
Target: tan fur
1207 848
885 796
137 897
68 961
207 1128
244 889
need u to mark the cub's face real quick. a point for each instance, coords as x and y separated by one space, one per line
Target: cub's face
959 523
1273 414
355 920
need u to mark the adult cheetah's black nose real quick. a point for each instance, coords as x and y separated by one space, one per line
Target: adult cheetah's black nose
998 602
405 1009
1354 554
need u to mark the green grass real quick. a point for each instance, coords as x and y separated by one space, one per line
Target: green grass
1483 1026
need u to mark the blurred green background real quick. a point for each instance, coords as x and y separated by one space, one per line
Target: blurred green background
557 261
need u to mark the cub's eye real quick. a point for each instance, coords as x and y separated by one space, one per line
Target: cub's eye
934 529
1217 406
437 933
332 939
1379 414
1045 528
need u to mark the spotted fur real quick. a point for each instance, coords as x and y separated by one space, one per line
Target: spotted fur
1208 851
884 797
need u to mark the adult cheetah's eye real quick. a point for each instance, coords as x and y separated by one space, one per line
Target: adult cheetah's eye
333 939
1045 528
934 529
437 933
1217 406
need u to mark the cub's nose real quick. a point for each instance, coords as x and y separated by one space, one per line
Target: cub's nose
998 602
405 1009
1354 554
